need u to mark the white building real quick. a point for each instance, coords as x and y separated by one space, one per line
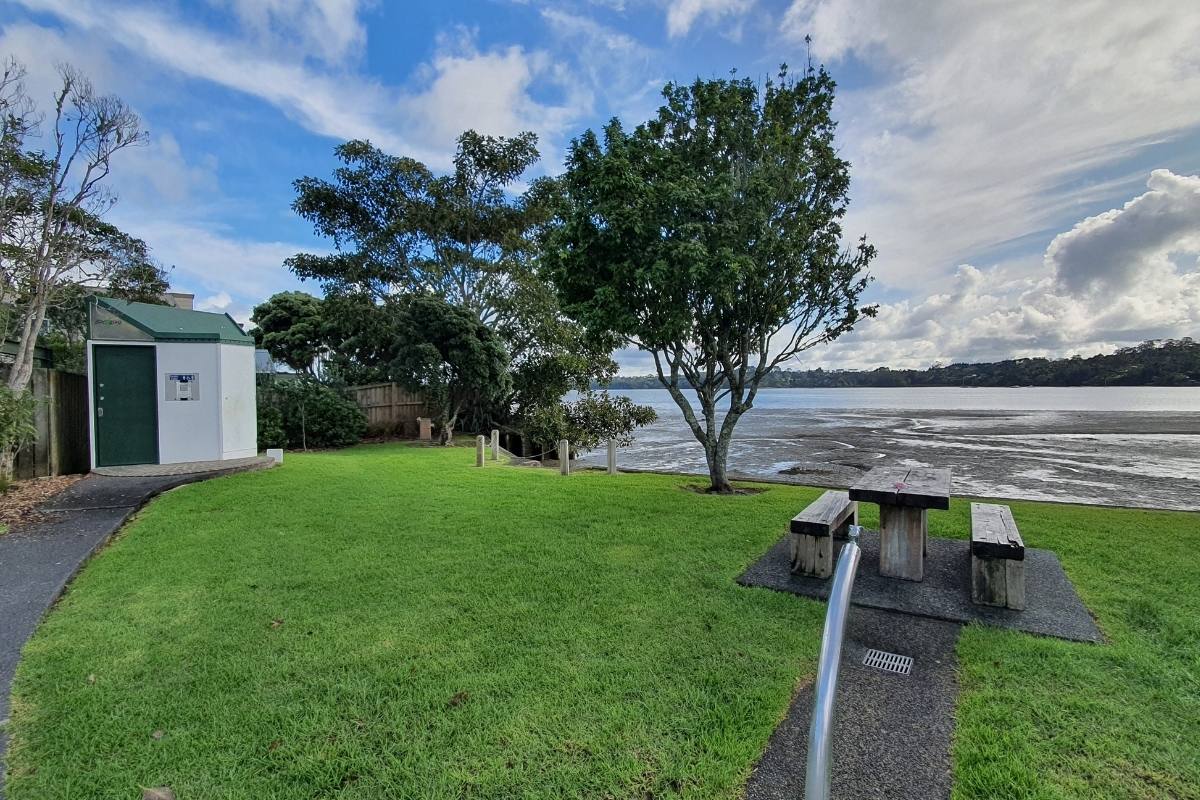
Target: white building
168 385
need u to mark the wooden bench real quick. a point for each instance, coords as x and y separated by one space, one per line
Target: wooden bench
813 529
997 557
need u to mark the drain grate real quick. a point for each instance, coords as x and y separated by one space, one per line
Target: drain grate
888 662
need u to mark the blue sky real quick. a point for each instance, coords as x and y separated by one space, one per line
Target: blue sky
1028 170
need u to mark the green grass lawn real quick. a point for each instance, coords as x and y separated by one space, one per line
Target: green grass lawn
390 622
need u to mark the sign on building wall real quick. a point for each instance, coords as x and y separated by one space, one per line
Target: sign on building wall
183 386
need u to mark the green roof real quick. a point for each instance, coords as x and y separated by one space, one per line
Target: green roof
170 324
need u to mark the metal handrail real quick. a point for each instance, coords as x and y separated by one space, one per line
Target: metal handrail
820 730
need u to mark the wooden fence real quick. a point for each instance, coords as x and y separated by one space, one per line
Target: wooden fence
61 419
391 409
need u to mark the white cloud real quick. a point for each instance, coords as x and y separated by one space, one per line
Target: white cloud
1114 250
989 116
1113 280
40 49
217 302
329 30
491 92
462 87
161 173
683 14
327 104
205 258
623 74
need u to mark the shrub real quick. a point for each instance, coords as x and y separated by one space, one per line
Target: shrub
305 413
593 418
270 426
17 428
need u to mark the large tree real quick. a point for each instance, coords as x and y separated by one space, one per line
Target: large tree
52 199
468 236
710 237
399 228
53 195
291 327
448 355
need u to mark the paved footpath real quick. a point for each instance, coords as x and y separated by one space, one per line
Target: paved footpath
891 733
38 560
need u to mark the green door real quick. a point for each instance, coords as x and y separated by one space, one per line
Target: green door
126 405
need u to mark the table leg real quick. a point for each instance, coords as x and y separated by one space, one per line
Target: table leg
902 532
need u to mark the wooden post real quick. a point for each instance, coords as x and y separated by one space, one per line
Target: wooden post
902 542
480 448
495 445
612 457
564 457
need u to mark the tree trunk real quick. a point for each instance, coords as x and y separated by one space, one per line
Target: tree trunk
718 456
8 461
446 430
22 367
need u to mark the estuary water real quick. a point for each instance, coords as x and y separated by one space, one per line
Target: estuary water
1124 446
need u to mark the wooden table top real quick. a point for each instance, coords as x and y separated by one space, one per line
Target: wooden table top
915 487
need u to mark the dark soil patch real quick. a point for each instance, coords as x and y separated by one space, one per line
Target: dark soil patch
700 488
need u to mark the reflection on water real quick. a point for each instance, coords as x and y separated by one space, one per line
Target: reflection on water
1129 446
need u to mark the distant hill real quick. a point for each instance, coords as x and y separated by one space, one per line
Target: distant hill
1159 362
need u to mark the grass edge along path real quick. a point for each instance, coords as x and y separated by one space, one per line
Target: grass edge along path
389 621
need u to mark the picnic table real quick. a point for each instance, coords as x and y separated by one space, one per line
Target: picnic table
904 496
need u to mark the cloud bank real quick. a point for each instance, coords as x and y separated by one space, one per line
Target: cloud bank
1123 276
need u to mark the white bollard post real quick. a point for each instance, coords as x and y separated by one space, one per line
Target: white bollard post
612 457
564 457
480 447
495 445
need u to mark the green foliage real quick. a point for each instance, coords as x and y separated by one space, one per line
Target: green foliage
17 429
399 228
291 327
467 237
710 236
132 275
448 355
590 420
595 655
360 336
1152 363
270 423
302 413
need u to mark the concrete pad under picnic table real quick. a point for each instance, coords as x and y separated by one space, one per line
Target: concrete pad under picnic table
891 732
1053 607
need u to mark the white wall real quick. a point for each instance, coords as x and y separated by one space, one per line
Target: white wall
222 423
239 413
191 430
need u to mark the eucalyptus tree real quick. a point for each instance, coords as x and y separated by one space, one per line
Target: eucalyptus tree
710 236
54 193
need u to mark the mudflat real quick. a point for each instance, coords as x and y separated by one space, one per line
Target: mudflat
1138 458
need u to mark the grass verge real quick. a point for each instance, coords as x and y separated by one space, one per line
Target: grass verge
389 621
